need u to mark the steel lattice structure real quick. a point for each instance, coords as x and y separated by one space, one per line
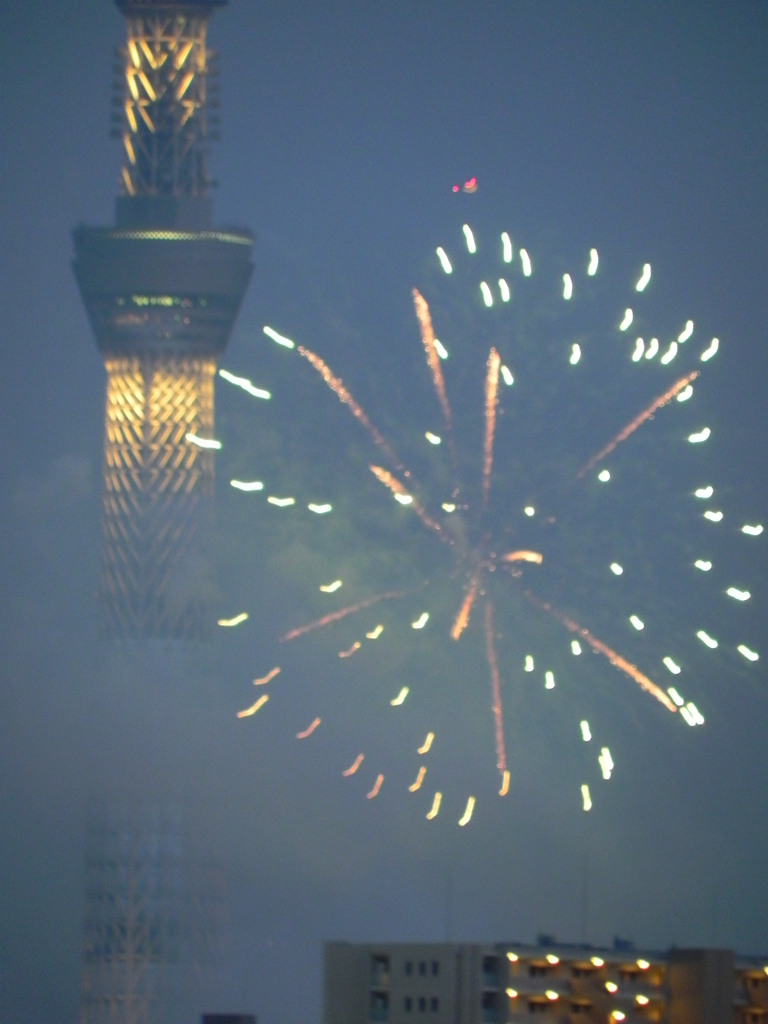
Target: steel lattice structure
162 98
162 289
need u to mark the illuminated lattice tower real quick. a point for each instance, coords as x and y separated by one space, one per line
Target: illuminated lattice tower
162 289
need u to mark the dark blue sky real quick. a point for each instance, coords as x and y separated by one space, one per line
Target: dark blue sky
637 128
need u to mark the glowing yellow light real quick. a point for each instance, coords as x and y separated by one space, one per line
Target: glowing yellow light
525 259
350 650
598 961
330 588
701 564
552 995
567 286
626 323
504 783
203 442
704 492
506 294
637 622
637 355
604 476
511 992
641 1000
245 384
419 779
528 663
670 354
375 633
686 332
309 730
549 680
506 247
586 733
400 698
575 354
441 350
707 354
653 348
376 787
616 569
235 621
445 263
470 238
506 376
685 394
354 766
552 959
432 438
748 654
432 813
606 762
575 646
448 506
714 517
404 499
129 148
752 531
529 510
267 678
594 259
254 707
127 182
738 595
707 639
699 436
148 86
134 53
585 797
185 84
486 292
673 667
645 277
131 118
279 338
421 622
426 745
247 485
513 958
523 556
618 1015
182 55
132 86
320 510
466 816
611 986
675 696
281 502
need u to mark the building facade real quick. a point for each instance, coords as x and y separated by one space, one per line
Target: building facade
503 983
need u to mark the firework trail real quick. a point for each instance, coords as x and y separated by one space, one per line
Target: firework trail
462 619
406 497
433 361
491 393
638 421
342 613
498 714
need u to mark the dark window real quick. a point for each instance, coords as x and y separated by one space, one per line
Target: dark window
490 1007
537 1007
490 972
537 971
379 972
434 1004
408 967
379 1007
435 968
422 967
422 1004
408 1004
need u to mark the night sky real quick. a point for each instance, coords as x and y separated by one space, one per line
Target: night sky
640 129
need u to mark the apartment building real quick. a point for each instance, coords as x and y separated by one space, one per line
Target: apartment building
504 983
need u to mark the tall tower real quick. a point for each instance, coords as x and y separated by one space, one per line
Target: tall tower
162 289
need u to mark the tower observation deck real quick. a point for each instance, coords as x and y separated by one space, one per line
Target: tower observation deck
162 289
